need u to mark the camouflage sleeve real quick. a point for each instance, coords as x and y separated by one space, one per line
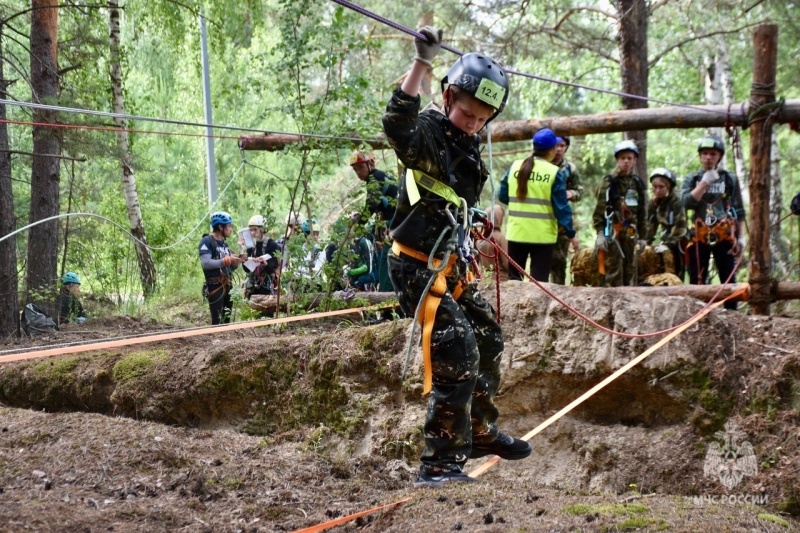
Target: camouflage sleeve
679 228
574 184
688 186
413 140
599 216
641 214
652 222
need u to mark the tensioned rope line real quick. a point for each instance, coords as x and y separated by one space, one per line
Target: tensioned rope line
601 327
409 31
113 129
133 237
125 116
591 392
103 345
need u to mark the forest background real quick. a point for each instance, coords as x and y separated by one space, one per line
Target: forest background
311 66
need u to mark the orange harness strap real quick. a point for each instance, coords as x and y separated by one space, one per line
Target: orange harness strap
429 305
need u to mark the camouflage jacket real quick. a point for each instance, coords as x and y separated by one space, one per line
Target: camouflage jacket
624 195
381 195
669 214
429 142
722 198
570 173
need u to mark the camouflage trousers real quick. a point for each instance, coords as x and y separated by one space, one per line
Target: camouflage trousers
621 263
558 268
466 347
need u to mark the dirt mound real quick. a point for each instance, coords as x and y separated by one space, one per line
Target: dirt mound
332 399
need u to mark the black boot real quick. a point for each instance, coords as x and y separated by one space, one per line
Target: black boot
505 446
429 479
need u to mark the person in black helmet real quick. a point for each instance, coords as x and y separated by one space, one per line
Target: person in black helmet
462 342
715 199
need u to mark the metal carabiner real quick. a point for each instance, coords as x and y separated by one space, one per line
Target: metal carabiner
450 215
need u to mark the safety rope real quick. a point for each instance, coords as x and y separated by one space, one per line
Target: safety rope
125 116
417 35
588 320
435 273
202 220
116 343
591 392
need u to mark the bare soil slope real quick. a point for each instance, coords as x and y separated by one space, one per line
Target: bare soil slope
283 428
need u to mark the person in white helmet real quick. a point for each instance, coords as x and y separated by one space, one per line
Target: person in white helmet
266 253
620 218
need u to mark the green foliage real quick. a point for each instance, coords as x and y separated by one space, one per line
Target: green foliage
309 66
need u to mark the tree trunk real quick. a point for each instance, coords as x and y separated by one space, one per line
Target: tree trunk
147 269
765 47
632 41
269 303
9 307
43 238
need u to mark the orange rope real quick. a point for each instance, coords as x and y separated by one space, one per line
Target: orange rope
343 519
36 354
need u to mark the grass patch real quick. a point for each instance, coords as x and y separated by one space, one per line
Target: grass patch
56 367
607 509
136 364
775 519
639 522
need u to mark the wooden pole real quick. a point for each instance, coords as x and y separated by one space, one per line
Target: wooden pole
702 116
762 94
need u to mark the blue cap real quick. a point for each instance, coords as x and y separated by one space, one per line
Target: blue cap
544 140
560 140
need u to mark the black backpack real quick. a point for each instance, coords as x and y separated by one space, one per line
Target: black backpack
36 322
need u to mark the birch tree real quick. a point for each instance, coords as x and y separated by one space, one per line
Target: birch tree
147 269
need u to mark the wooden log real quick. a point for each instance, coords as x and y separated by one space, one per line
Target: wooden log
700 116
273 142
777 291
269 303
762 94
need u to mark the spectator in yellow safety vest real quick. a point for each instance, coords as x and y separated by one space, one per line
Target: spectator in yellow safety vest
536 196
